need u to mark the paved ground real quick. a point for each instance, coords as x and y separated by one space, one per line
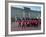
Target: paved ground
14 27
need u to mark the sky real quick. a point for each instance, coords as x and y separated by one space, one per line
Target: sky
36 8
